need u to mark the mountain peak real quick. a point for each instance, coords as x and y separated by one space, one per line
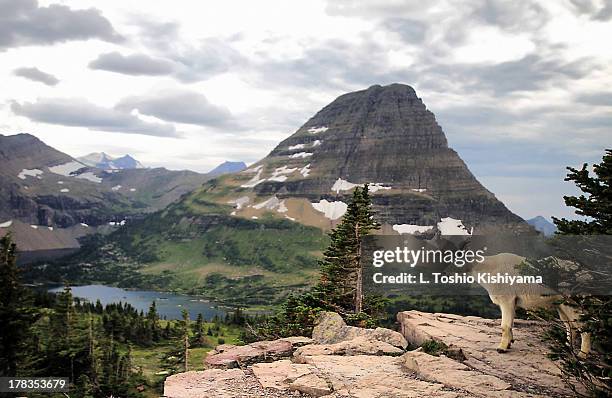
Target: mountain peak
384 136
543 225
226 168
105 161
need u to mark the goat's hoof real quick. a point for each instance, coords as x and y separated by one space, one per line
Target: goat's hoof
502 350
583 355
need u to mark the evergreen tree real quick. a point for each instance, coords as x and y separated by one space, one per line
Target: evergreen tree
67 343
152 324
340 287
185 339
593 371
341 280
595 202
199 338
16 311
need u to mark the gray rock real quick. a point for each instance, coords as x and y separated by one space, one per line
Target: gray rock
331 329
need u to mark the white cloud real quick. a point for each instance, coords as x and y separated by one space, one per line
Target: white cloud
498 75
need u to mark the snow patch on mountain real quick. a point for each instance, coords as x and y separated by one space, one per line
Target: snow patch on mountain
6 224
451 226
342 185
411 229
272 204
280 174
331 210
255 180
300 155
66 169
377 187
304 171
29 172
297 146
317 130
64 190
90 176
240 202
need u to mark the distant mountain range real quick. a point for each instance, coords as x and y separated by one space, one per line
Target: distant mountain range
104 161
542 225
49 199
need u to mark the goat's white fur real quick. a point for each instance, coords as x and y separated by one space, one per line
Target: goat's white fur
529 297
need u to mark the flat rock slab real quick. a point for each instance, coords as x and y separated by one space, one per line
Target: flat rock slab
220 383
525 366
455 374
230 356
357 346
331 329
280 374
285 375
367 376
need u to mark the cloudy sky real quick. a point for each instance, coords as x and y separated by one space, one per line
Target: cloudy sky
521 89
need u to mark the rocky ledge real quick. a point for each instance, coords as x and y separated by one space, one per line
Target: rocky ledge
341 361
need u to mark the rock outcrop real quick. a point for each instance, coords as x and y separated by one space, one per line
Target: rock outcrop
227 356
331 329
525 366
355 365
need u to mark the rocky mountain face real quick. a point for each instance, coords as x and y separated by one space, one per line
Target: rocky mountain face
104 161
383 136
48 199
436 355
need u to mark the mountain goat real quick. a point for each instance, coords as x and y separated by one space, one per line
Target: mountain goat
529 297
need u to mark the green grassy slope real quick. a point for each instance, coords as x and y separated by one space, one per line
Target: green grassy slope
195 246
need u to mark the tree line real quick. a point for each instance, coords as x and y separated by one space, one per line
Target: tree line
44 334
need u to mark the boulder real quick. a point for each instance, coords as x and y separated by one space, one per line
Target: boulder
331 329
525 365
229 356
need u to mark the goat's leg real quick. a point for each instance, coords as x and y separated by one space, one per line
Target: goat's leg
585 344
507 304
572 322
566 315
